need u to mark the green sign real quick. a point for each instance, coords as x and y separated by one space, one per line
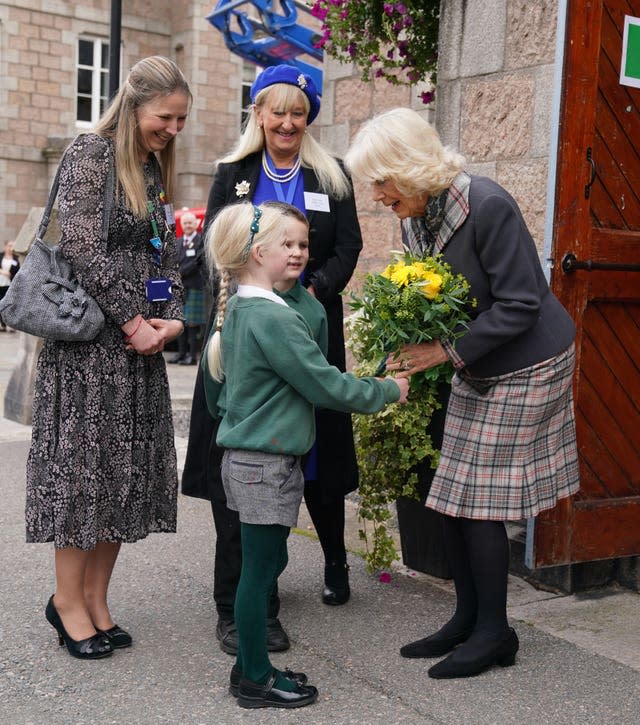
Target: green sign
630 65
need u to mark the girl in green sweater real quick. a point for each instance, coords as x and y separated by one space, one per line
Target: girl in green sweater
264 374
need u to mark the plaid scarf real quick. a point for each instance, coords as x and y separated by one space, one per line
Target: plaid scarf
443 215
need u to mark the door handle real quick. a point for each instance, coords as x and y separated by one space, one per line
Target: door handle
570 263
592 163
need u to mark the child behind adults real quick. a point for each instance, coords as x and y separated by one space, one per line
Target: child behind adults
264 373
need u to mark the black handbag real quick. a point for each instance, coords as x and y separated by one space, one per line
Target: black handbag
44 298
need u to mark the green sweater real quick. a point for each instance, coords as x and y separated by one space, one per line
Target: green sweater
275 374
312 313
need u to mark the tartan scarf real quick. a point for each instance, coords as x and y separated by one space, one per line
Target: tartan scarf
443 215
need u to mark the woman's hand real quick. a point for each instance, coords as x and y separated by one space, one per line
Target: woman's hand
167 329
141 337
415 358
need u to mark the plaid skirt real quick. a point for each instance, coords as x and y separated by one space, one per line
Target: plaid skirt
194 309
509 449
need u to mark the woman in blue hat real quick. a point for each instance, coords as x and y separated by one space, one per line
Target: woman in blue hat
276 159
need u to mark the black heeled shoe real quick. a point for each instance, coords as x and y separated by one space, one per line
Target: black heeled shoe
234 679
434 645
336 584
118 637
503 654
91 648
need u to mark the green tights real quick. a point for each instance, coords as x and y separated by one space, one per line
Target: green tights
264 558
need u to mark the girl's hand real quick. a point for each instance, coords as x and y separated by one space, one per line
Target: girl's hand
167 329
415 358
403 384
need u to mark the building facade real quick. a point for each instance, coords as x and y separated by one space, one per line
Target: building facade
492 101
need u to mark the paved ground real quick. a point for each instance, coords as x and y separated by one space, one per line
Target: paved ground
579 661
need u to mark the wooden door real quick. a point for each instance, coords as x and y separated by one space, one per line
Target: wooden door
596 274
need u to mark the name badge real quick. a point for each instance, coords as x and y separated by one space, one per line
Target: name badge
316 202
169 214
158 289
190 253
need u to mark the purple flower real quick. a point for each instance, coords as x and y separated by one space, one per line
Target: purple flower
351 49
388 8
401 9
384 577
427 97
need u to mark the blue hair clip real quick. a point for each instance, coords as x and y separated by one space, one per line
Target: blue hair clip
253 230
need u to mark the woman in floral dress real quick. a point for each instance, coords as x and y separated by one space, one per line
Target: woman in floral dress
102 466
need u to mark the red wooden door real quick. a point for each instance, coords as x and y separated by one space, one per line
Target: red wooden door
597 221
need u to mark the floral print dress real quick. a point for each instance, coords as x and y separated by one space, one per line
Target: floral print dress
102 463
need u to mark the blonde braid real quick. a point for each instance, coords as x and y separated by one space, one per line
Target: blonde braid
214 346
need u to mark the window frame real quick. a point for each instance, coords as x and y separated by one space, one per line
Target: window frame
97 72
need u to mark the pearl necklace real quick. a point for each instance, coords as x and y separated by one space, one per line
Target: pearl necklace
280 179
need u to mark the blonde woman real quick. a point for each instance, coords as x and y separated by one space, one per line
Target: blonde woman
509 445
277 159
102 466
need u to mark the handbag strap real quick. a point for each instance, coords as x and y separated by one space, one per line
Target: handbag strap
108 200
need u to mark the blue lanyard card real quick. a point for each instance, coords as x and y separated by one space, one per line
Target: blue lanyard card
158 289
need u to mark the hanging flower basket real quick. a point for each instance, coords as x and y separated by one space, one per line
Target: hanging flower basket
394 41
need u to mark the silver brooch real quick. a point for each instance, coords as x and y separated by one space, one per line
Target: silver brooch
302 81
242 188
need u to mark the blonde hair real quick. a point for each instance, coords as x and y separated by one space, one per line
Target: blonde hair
147 80
284 97
236 230
401 147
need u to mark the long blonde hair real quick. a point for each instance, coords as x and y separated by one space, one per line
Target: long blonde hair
228 242
401 147
284 97
149 78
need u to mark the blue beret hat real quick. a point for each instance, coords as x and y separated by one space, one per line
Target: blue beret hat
294 77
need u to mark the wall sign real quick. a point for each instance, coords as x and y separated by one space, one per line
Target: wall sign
630 65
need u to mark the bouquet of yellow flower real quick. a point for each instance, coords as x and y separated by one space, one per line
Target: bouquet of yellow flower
413 300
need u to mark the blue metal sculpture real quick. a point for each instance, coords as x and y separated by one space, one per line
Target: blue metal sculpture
272 37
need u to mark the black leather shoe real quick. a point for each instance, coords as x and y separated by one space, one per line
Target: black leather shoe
176 359
277 639
234 679
252 695
91 648
117 636
503 653
434 645
336 584
227 636
188 360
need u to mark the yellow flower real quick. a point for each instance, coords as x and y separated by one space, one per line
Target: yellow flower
402 275
430 285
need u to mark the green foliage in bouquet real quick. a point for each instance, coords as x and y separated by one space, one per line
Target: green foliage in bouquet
412 301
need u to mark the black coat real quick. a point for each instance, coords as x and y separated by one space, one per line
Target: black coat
191 266
334 246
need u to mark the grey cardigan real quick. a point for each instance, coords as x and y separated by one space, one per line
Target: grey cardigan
518 321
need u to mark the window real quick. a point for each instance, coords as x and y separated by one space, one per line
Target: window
249 73
93 80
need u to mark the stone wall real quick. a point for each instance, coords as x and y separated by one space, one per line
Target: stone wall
493 104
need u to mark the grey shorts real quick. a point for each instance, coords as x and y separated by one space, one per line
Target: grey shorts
264 488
